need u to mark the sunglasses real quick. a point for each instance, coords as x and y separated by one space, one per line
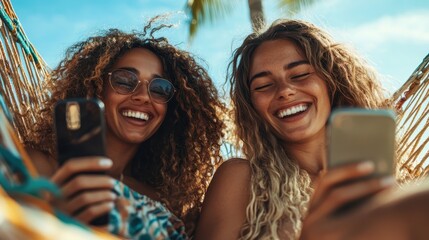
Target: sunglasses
126 82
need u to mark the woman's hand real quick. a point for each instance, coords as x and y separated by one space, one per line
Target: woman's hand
85 194
336 188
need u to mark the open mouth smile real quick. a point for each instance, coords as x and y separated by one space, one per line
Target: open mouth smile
292 111
136 114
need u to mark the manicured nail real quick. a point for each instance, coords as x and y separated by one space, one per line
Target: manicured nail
105 162
111 205
367 166
387 181
113 182
114 196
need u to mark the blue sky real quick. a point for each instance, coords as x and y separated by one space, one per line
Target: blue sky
393 35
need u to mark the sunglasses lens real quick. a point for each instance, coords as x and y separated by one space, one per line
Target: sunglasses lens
123 81
161 90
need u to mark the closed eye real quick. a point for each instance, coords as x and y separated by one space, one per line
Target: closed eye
124 84
301 76
263 87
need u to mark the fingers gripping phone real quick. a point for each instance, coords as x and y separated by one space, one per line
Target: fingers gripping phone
80 132
362 134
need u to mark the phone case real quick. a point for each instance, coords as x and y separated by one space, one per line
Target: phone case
362 134
79 125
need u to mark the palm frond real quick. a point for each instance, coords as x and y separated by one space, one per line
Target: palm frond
202 11
295 5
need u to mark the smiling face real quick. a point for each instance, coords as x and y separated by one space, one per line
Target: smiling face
287 92
133 118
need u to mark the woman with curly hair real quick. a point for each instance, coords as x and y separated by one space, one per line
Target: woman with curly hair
285 82
163 145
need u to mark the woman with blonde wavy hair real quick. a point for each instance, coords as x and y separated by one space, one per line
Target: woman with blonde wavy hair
285 81
163 133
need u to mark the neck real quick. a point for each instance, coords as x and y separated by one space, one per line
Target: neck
121 154
310 154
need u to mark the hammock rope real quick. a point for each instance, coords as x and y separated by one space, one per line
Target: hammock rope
18 33
23 72
412 103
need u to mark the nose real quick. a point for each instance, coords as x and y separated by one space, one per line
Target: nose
285 90
141 94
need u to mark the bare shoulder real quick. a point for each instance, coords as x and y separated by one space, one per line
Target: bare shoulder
236 161
43 162
236 167
232 177
225 203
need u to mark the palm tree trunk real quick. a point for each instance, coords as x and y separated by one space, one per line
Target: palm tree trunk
256 14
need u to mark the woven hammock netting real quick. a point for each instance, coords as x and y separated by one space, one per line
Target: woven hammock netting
412 103
23 73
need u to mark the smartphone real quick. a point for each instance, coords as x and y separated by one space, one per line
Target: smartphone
362 134
80 132
79 125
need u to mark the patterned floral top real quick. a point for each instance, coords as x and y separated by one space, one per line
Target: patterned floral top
137 216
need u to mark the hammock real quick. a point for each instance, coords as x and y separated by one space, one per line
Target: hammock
23 73
412 103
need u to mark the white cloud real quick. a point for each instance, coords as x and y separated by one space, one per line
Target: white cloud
410 26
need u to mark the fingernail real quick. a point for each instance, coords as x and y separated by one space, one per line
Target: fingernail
105 162
367 166
114 196
387 181
111 205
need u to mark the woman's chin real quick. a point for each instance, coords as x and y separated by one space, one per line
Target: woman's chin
135 138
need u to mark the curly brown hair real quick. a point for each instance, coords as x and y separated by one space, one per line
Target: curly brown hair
180 158
280 190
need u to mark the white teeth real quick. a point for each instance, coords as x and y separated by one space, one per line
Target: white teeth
135 114
292 110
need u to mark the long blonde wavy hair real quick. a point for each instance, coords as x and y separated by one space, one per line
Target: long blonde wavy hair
280 190
180 158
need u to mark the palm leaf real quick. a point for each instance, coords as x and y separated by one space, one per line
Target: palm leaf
295 5
202 11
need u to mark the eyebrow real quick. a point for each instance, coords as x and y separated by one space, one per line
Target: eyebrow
295 64
286 67
135 71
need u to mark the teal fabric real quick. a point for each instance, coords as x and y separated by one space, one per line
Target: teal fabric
137 216
29 185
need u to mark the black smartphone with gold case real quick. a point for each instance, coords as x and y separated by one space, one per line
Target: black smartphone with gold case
79 126
80 132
